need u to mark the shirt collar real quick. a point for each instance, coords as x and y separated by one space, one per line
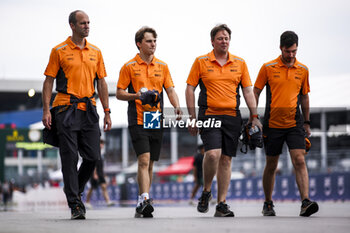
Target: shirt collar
280 62
73 45
212 57
140 61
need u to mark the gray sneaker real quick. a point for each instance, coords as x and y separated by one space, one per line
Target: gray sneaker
223 210
268 209
203 204
77 212
137 215
308 208
145 208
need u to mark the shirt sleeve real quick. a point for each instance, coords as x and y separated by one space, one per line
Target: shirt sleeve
246 82
193 77
101 69
54 64
262 78
306 85
124 78
168 81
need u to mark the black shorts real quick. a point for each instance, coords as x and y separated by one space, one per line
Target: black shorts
224 138
275 138
96 182
200 180
99 170
146 140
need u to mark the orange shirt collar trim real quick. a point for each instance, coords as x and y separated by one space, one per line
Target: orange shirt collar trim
212 57
280 62
73 45
140 61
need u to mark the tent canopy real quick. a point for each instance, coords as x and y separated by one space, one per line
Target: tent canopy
183 166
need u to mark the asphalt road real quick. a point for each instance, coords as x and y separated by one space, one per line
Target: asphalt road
332 217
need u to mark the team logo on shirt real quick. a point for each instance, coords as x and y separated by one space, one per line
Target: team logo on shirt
151 120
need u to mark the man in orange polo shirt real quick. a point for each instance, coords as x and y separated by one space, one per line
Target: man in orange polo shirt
219 75
287 87
146 72
77 66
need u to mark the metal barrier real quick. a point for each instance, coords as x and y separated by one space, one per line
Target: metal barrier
335 186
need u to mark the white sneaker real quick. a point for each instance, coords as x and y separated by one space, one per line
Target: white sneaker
111 203
191 202
88 206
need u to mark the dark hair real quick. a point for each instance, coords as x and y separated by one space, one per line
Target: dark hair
140 34
217 28
72 17
288 38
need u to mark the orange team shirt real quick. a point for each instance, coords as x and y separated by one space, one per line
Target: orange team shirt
219 85
136 74
75 71
284 87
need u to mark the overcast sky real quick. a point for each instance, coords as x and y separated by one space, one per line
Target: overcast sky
30 28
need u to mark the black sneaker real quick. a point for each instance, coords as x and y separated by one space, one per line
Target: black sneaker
77 212
149 215
203 204
81 203
268 209
145 208
308 208
223 210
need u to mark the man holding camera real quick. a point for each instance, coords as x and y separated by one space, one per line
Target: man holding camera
145 76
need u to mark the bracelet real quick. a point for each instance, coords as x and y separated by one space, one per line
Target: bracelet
255 116
107 110
307 122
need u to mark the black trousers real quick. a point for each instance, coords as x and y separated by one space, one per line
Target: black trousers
82 137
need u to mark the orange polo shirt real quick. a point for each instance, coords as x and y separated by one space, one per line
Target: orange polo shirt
284 88
136 74
75 71
219 85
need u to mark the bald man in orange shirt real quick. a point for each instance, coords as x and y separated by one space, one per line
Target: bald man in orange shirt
77 66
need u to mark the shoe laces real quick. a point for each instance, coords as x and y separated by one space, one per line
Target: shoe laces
148 201
76 208
305 202
204 197
269 204
223 206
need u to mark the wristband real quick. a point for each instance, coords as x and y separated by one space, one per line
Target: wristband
307 122
255 116
107 110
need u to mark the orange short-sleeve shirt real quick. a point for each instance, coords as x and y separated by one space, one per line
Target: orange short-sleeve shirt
75 71
284 88
136 74
219 85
